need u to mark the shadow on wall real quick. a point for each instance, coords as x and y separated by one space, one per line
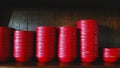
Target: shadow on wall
106 36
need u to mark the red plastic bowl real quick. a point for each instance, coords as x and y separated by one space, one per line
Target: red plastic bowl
110 54
88 56
68 28
88 22
5 52
23 33
45 27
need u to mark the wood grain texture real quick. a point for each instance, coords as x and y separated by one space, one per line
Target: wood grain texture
29 19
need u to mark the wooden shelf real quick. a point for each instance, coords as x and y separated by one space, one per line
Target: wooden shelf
107 12
59 65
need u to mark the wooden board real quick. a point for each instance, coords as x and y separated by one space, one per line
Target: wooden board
28 19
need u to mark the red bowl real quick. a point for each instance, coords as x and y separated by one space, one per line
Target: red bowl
67 48
88 32
45 35
68 34
46 31
89 39
5 52
45 27
6 35
67 53
5 43
5 28
4 59
119 52
67 38
88 60
45 47
49 31
67 43
26 33
45 59
88 43
110 54
24 37
87 21
66 59
88 36
46 41
22 59
87 26
17 32
23 42
87 56
45 53
70 38
45 44
46 38
91 48
67 28
23 53
68 31
18 47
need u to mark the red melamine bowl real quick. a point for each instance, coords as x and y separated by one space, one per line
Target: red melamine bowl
110 54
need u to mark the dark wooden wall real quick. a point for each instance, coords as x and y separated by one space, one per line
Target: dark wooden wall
109 21
59 17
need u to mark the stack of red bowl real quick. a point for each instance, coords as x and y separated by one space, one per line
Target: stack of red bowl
24 45
67 44
6 37
45 43
88 40
119 52
110 54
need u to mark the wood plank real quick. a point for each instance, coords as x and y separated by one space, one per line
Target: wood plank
108 21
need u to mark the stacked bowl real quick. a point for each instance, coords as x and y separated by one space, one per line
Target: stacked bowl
46 43
88 40
67 44
6 40
110 54
23 45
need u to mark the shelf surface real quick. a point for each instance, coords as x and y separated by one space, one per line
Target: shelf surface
59 65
